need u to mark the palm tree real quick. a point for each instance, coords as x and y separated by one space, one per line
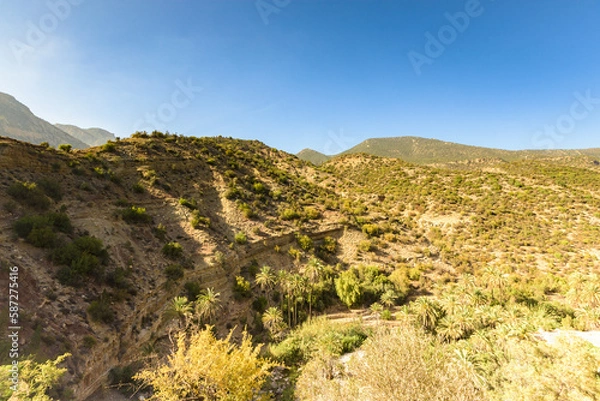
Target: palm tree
207 304
272 319
495 280
388 298
451 303
427 311
179 308
585 291
313 271
376 308
450 329
298 287
265 278
285 286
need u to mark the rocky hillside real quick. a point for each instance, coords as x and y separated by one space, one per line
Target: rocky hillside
152 214
105 238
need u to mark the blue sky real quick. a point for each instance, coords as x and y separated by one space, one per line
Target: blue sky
324 74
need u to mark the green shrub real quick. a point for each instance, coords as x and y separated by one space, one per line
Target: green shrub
312 213
29 194
199 221
117 278
174 272
329 245
50 188
122 376
172 250
233 193
138 188
42 237
317 337
295 253
86 264
136 214
305 242
348 288
26 224
100 311
386 315
40 230
260 304
160 231
65 147
192 289
401 281
289 214
241 287
365 246
93 246
109 147
241 238
189 203
259 187
414 274
61 222
89 342
246 210
372 230
81 258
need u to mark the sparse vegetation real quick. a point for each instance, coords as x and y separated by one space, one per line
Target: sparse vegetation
101 311
172 250
174 272
240 238
28 194
135 215
464 263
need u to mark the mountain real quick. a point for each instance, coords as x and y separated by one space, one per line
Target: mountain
18 122
316 158
90 136
428 151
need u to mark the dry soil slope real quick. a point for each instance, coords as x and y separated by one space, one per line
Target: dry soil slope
221 177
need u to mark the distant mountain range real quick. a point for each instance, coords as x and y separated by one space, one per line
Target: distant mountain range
18 122
91 136
428 151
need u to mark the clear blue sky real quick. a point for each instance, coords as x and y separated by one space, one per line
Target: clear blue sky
324 74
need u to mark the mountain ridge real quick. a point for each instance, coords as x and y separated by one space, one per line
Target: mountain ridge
92 136
430 151
17 121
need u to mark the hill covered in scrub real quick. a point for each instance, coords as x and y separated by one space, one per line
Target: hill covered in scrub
316 158
432 151
122 246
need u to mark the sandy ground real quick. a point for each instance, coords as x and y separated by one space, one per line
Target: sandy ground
551 336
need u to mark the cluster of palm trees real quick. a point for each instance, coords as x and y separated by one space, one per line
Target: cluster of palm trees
199 312
295 291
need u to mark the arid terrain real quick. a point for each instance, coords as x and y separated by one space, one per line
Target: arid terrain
476 256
